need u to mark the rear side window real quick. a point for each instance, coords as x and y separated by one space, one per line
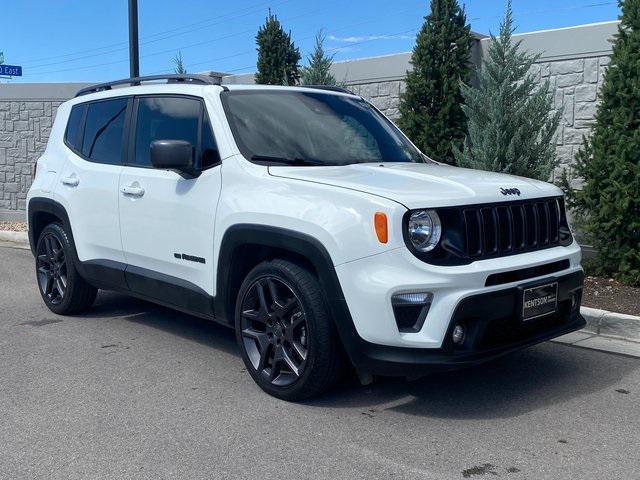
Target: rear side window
103 132
165 118
74 126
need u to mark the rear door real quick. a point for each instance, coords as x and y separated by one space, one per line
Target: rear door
89 179
166 220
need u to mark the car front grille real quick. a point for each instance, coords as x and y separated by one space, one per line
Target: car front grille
478 232
517 227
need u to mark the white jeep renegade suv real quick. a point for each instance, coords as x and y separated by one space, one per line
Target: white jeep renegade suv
304 219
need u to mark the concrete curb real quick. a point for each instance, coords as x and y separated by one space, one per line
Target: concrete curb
610 324
21 238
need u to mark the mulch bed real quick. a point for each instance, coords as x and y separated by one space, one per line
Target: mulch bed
602 293
13 226
608 294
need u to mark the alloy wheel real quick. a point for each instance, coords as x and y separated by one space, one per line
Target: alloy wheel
52 269
274 331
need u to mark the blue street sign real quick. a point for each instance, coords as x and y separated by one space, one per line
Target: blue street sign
11 70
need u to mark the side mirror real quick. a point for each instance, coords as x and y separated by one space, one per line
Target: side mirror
176 155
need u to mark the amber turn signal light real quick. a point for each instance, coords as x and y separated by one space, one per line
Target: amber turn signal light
382 230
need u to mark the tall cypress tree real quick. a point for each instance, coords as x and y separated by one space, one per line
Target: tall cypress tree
278 57
178 63
608 203
430 107
318 72
511 124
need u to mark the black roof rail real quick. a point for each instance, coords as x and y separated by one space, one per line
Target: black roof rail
191 79
331 88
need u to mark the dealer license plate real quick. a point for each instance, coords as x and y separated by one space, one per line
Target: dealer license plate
539 301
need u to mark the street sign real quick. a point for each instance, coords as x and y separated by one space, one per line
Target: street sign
11 70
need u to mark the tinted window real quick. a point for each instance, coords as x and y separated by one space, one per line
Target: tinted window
102 141
210 155
165 118
73 126
319 127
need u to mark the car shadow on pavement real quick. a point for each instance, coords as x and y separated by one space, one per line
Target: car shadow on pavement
510 386
513 385
114 305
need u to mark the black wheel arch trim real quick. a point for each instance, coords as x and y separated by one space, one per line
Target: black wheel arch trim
298 243
46 205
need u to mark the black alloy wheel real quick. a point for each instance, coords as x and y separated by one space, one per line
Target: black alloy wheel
61 286
274 331
288 340
51 267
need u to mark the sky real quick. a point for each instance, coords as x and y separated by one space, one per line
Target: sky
86 40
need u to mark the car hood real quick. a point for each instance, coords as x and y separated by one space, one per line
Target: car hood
422 185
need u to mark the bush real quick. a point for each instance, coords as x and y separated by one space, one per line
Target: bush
607 205
430 112
278 57
511 128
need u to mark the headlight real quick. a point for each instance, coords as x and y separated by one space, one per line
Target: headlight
425 230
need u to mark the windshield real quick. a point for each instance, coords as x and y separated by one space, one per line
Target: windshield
313 128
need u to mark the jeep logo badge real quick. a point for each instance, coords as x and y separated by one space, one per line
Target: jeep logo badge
510 191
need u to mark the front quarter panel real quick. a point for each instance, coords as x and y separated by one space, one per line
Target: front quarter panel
341 220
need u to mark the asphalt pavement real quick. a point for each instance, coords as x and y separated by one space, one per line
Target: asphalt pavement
133 390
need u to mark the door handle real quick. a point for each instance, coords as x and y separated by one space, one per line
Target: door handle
132 191
71 181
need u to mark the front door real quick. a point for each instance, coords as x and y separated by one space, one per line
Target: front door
167 221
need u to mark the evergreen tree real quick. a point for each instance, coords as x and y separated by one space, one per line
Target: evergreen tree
278 57
179 67
318 72
608 203
430 107
511 127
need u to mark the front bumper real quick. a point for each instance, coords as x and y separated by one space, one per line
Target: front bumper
461 295
493 329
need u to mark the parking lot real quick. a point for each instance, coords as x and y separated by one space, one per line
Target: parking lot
132 390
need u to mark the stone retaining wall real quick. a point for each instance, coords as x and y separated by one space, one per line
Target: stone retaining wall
24 132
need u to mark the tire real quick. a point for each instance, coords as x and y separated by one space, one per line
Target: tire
62 288
288 341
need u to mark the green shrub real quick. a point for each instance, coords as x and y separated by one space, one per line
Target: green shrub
430 112
511 128
278 57
608 202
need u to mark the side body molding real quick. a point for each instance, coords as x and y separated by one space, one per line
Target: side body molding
107 274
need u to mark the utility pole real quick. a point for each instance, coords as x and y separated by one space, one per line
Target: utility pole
134 59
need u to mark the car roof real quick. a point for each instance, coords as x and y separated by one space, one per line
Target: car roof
192 89
335 90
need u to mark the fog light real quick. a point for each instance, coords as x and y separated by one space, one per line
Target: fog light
458 334
410 310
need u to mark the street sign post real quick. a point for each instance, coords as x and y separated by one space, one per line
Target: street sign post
11 70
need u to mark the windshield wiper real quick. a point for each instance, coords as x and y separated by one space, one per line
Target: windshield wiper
287 161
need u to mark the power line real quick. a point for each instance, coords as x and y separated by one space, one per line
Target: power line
551 10
162 36
171 50
184 47
370 20
379 37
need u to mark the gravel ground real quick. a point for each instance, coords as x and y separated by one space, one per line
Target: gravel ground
133 390
14 226
608 294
